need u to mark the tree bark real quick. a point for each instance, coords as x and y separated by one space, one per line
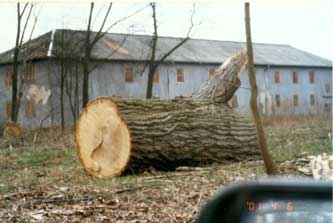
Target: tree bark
115 134
173 133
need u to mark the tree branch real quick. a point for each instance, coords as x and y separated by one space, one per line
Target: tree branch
34 24
117 22
112 53
26 23
181 42
21 13
102 26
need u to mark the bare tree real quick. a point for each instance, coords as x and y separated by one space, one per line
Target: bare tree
67 74
154 62
88 48
17 88
62 81
269 163
71 64
90 42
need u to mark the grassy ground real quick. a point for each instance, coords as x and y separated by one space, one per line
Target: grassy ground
47 183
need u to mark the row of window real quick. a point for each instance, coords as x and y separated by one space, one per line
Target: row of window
30 110
295 100
129 77
234 100
129 74
294 77
28 74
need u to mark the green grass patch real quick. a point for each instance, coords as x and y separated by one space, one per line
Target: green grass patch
36 155
283 153
32 167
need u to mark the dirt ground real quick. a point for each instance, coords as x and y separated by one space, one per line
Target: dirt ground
43 181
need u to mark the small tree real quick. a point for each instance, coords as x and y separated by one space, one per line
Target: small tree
17 88
88 48
269 163
90 42
154 62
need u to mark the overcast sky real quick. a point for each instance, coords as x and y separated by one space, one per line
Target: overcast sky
306 25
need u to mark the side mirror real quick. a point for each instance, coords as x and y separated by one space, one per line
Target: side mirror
271 201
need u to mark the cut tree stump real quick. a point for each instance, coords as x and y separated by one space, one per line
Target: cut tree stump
114 134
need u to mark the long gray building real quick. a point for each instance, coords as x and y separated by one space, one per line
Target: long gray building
290 80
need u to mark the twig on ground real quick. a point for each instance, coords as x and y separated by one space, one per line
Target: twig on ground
195 209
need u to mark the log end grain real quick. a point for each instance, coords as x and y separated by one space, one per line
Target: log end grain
103 139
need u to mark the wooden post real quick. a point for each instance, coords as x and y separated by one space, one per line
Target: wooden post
269 163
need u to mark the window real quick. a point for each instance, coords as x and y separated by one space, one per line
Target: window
277 77
295 77
234 101
29 72
157 76
327 88
180 75
311 76
295 97
8 76
327 107
277 100
30 108
211 72
8 108
312 99
128 72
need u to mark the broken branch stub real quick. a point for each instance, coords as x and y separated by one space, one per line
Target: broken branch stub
224 83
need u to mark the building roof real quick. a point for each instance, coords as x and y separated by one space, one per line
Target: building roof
129 47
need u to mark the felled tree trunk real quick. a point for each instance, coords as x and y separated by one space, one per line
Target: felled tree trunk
115 134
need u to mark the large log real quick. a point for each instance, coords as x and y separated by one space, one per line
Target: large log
115 134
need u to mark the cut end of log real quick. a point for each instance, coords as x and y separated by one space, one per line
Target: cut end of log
103 139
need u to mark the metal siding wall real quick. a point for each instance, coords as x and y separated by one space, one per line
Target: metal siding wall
194 77
41 110
5 94
286 89
108 79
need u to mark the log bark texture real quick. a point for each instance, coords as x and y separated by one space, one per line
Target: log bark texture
192 134
165 134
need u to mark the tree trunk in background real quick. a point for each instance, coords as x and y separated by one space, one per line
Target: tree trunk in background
62 83
14 112
152 66
153 63
150 81
269 163
113 132
86 61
